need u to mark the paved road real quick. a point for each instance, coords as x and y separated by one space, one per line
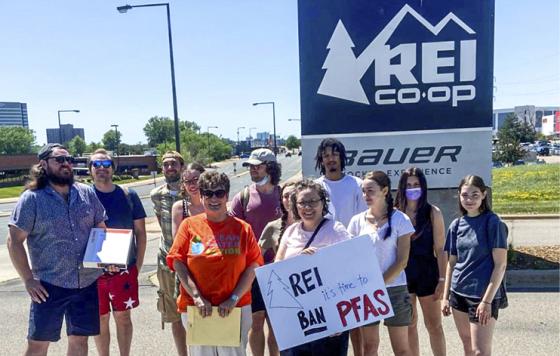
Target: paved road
526 327
238 179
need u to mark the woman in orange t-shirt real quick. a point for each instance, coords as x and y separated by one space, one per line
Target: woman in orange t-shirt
215 256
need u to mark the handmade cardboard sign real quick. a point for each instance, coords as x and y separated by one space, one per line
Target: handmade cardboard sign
338 288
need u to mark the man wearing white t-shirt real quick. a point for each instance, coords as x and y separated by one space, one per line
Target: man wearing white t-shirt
345 194
345 191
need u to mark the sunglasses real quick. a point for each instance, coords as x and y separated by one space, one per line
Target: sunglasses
106 163
62 159
220 193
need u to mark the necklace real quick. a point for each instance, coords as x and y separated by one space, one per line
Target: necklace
374 220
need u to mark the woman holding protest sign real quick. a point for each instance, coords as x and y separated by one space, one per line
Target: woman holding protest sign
273 231
309 203
425 272
390 231
215 256
477 247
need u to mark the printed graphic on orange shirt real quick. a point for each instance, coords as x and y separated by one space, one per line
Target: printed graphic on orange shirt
229 244
196 245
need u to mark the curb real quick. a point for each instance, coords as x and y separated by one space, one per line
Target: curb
533 280
529 217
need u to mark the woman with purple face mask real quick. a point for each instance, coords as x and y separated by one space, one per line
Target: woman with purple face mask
425 272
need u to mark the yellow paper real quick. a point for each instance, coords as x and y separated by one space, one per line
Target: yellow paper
213 330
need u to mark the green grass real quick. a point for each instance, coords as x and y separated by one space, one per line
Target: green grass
531 189
10 192
13 192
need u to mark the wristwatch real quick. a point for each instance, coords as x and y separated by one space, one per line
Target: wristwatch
234 297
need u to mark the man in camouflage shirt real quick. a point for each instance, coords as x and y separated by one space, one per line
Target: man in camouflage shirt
163 198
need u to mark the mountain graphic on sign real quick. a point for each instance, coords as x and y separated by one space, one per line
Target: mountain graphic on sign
279 295
344 70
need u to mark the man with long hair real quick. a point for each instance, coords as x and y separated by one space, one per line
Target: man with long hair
259 204
55 216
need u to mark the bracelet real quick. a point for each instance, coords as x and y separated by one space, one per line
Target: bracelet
441 279
485 302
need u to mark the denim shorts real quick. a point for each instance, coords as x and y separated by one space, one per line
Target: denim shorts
80 307
402 309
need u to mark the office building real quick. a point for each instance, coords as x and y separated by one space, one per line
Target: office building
66 133
13 114
528 113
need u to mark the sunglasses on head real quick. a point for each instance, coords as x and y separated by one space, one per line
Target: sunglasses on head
62 159
106 163
220 193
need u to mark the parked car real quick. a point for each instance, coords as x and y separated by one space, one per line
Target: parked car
555 149
244 155
519 162
543 150
497 164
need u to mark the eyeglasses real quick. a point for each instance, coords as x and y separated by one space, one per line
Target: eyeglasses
256 166
310 203
62 159
106 163
220 193
191 181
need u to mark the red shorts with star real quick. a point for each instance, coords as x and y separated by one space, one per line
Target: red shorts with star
118 291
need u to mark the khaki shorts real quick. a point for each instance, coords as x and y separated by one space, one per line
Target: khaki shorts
400 300
167 298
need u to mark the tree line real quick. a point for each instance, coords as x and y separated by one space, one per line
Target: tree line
198 146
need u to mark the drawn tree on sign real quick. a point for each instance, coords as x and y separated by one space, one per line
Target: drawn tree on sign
279 295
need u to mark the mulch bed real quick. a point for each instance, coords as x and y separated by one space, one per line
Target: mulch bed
534 257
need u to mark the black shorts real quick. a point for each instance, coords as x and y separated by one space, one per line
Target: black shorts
469 306
80 308
257 301
422 275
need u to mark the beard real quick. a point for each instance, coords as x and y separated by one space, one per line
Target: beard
172 178
59 180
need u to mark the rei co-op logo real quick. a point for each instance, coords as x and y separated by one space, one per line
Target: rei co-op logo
344 70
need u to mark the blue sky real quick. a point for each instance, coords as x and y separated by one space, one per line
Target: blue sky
114 67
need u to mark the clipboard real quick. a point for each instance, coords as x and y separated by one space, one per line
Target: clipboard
213 330
108 247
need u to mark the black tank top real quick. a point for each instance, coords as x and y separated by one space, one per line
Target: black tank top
422 243
185 209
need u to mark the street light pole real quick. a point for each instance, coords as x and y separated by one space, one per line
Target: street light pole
116 139
241 127
116 143
124 9
273 121
208 134
251 137
59 126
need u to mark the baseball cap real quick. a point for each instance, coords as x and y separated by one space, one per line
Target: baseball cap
260 156
47 149
175 155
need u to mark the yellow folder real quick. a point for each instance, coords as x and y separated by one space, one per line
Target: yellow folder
213 330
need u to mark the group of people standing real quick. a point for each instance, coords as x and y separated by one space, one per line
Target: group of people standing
208 252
